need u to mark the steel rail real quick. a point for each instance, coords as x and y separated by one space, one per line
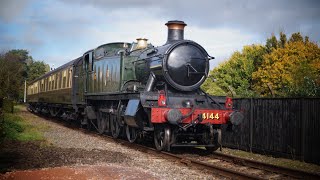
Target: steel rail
215 169
267 167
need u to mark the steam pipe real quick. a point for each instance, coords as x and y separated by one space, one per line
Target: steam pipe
151 81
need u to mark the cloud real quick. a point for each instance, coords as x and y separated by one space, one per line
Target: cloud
10 9
61 30
252 16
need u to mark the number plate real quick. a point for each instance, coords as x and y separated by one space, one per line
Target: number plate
210 116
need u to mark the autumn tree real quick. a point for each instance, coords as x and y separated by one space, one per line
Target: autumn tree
290 71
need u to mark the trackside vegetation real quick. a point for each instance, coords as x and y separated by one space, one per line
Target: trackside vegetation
14 127
280 68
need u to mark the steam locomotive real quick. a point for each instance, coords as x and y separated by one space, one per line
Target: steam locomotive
139 90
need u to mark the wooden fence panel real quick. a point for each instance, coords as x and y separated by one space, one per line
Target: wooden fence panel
287 127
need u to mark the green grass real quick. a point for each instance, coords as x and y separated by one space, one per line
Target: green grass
15 127
295 164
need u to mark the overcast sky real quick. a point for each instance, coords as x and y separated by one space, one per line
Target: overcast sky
57 31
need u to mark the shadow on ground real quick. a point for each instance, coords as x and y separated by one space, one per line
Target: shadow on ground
16 155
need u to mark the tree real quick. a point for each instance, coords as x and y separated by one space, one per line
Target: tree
272 43
36 69
11 76
291 71
296 37
236 73
16 67
283 40
211 87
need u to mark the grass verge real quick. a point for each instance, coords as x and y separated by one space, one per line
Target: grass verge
14 127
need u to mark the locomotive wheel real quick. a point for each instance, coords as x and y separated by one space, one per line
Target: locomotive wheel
162 138
53 111
115 126
89 124
102 122
210 150
132 133
213 139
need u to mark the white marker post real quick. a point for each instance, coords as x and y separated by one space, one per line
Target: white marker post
25 92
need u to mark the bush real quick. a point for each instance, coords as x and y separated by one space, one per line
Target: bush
14 127
7 106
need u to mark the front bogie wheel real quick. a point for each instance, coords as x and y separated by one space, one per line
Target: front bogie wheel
213 139
162 138
132 133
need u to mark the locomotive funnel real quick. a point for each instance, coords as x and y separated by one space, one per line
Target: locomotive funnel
175 30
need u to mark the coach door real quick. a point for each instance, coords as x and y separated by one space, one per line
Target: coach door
88 67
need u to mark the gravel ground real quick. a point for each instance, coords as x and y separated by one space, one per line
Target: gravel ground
74 147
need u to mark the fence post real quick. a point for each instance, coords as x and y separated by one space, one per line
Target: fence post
251 123
303 120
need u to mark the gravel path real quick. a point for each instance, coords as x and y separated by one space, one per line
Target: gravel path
62 137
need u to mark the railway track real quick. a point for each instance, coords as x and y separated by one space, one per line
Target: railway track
220 164
227 166
267 167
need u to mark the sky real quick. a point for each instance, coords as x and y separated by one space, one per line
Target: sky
57 31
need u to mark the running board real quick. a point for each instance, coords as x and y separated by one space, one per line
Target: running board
148 129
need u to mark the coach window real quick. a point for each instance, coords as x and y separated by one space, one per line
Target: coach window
54 85
64 79
42 85
46 84
60 80
50 83
70 77
35 88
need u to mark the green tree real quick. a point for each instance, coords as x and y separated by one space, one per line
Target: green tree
272 43
283 40
11 76
16 67
296 37
236 73
211 87
36 69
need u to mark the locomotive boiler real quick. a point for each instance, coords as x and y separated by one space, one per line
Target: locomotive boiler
139 90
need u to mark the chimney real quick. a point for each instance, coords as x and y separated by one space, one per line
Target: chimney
175 30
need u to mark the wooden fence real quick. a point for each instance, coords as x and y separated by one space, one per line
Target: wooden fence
286 127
